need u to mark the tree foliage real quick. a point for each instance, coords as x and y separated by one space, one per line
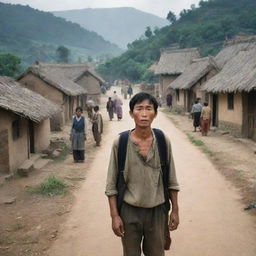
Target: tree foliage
148 32
205 27
171 17
9 65
62 54
34 35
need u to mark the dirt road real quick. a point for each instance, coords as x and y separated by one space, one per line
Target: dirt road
213 222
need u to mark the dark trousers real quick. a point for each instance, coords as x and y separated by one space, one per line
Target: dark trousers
78 155
144 230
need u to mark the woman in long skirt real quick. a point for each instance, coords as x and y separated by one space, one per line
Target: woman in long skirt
78 135
118 108
97 125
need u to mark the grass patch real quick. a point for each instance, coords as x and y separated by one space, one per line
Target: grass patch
194 141
52 186
208 151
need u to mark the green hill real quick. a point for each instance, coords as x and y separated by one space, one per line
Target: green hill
205 27
34 35
118 25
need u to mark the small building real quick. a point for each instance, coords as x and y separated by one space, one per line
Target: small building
56 83
234 89
92 83
188 86
24 123
172 64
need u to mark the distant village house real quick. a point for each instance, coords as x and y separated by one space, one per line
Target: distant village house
56 83
172 64
234 88
24 124
188 86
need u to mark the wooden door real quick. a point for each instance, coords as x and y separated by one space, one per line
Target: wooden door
4 152
252 115
215 110
31 136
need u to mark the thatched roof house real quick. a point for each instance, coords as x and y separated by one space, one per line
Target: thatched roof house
174 62
233 47
188 85
60 76
24 123
24 102
68 85
193 73
239 74
234 88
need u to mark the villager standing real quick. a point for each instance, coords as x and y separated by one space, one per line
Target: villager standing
169 100
97 125
139 188
110 108
78 135
130 91
196 114
205 119
118 108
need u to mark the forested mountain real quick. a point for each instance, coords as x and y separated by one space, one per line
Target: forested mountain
205 27
34 35
118 25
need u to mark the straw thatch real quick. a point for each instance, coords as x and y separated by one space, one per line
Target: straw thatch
60 76
233 47
174 62
152 68
239 74
193 73
24 102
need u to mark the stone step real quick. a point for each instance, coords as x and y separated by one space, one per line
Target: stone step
34 157
25 168
40 163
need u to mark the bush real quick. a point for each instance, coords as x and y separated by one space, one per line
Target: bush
52 186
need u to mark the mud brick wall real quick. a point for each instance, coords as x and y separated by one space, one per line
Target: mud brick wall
234 129
4 151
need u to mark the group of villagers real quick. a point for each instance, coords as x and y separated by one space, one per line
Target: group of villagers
79 129
201 114
114 106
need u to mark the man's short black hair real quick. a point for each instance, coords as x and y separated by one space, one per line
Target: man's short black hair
79 108
96 108
139 97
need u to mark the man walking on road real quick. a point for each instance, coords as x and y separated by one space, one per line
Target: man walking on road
141 183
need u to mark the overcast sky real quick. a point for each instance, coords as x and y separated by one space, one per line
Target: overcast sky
158 7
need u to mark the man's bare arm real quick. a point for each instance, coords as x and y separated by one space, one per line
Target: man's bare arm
117 223
174 217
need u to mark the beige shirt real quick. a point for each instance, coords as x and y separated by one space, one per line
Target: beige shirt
206 113
143 176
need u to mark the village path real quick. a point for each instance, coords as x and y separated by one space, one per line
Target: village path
212 218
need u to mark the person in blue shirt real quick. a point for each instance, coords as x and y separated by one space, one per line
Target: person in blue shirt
78 136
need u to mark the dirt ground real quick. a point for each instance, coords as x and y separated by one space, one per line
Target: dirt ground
31 223
234 157
78 223
212 219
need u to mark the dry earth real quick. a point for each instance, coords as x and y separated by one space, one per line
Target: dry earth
212 218
234 157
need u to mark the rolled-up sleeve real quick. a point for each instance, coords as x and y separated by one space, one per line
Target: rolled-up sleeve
173 182
111 189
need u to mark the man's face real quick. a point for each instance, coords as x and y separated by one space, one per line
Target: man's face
78 113
143 114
